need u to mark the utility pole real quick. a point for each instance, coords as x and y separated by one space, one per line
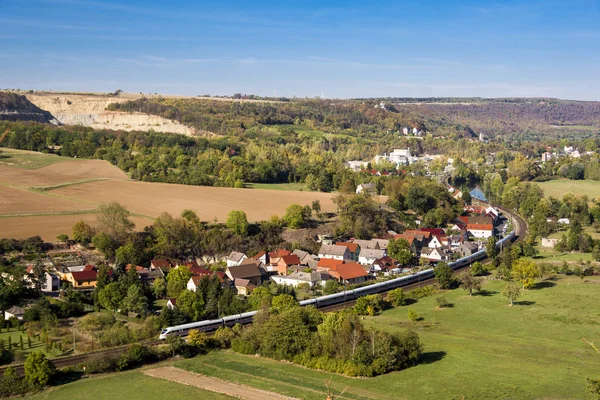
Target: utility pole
74 336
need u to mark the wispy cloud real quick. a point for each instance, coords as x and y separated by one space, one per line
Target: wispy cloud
42 24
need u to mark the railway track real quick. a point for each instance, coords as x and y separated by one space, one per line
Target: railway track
520 229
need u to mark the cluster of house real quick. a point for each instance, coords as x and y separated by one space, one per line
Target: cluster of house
568 151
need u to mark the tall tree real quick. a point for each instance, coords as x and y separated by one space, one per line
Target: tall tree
238 222
113 219
443 275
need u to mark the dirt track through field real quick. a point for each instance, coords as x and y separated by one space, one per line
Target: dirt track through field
213 384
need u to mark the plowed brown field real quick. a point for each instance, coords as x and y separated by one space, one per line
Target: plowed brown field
154 198
89 183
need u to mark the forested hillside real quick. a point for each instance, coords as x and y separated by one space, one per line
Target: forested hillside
504 119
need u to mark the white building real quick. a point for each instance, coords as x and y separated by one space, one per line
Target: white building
369 256
356 166
296 278
235 258
366 188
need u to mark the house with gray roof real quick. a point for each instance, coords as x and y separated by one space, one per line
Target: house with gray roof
334 251
368 256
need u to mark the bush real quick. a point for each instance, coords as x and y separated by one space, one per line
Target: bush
397 297
421 292
99 363
370 305
242 346
135 356
223 337
442 302
412 315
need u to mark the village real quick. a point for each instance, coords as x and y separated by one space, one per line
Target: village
346 262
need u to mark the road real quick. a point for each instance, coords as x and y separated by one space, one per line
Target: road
519 226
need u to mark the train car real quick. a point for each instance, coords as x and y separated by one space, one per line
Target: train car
308 302
243 319
336 298
182 330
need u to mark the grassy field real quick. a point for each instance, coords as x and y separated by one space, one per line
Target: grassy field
558 188
478 349
278 186
36 345
546 254
28 159
304 130
132 385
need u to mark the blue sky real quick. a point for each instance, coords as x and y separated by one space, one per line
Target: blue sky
299 48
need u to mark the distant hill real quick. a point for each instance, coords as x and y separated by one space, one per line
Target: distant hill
15 107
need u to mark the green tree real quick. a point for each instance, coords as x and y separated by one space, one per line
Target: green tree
82 232
261 295
62 237
397 297
111 296
443 275
412 315
160 288
238 222
283 302
331 286
135 301
511 292
316 207
197 339
596 253
524 271
294 216
399 249
478 269
191 304
105 244
469 282
113 219
38 369
177 280
492 250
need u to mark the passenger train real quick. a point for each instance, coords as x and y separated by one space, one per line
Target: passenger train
331 299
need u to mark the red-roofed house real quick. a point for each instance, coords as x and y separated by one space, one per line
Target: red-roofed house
83 279
285 262
350 273
325 264
482 231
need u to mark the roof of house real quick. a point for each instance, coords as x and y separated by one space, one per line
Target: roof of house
333 250
235 256
14 310
307 276
470 245
433 231
291 259
480 227
329 262
365 244
188 264
80 276
138 268
409 238
353 247
350 270
372 253
247 270
240 282
29 269
301 254
161 263
480 220
383 243
279 253
172 300
386 263
259 255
